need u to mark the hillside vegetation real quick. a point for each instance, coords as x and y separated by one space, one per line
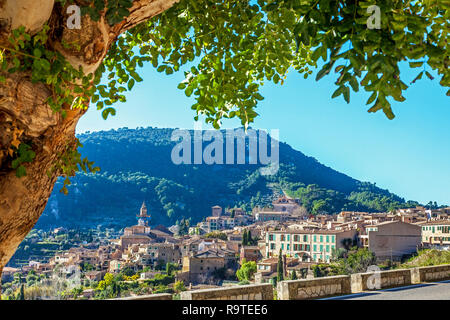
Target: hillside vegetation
430 257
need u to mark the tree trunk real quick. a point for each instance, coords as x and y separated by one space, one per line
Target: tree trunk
25 116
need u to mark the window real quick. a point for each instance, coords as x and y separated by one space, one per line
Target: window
282 246
315 248
328 238
321 238
333 239
305 238
288 246
328 248
288 237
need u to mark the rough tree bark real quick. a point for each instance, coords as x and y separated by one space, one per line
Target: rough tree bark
24 113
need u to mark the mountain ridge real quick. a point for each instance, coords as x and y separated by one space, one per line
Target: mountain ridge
136 166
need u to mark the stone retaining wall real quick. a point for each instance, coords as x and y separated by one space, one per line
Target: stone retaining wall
434 273
387 279
158 296
250 292
313 288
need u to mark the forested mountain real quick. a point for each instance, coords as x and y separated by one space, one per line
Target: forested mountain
136 166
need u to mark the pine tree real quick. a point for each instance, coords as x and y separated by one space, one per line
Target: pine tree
280 273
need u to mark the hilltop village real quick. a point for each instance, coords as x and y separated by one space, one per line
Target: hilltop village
232 246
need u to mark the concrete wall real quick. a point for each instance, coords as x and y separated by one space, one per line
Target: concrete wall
159 296
250 292
313 288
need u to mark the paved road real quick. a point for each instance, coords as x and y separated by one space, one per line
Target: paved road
426 291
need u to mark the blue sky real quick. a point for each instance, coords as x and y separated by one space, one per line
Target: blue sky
409 155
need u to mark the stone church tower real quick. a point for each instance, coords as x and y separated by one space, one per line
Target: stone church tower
143 217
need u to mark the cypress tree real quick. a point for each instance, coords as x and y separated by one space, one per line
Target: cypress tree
21 293
244 238
280 273
118 290
249 238
294 275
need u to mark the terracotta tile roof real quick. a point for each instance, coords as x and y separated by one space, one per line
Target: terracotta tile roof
435 222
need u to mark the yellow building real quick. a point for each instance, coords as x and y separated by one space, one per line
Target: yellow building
307 245
436 232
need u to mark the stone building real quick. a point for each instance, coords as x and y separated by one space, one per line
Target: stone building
162 252
285 204
249 253
201 267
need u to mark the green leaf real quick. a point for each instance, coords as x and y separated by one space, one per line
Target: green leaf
388 112
346 93
354 83
258 96
21 171
37 53
189 90
131 84
337 92
107 111
372 98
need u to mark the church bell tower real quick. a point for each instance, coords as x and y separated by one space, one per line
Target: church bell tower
143 216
